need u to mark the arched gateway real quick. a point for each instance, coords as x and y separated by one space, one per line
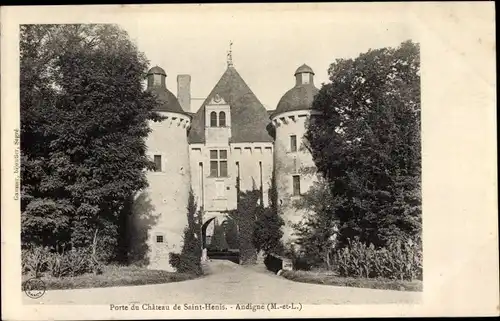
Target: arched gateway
220 237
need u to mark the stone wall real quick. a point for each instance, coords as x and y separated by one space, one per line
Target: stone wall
160 211
288 163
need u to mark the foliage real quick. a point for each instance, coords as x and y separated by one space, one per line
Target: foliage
37 261
34 260
329 278
189 260
273 263
231 232
399 260
84 120
245 216
317 233
259 226
367 144
267 231
112 275
219 238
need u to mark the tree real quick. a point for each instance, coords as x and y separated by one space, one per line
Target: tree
317 233
84 120
219 238
267 231
231 232
367 143
245 216
189 260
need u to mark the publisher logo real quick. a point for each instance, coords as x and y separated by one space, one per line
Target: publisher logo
34 288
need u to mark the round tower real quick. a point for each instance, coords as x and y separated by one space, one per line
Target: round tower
163 208
294 167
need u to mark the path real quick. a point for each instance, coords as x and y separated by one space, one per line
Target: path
228 283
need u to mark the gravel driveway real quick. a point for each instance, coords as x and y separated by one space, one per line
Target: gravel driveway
228 283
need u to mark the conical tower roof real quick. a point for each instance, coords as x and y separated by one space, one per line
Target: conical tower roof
167 100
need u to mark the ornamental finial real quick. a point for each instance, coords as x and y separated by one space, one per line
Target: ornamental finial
230 55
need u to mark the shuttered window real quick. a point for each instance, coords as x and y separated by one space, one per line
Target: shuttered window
296 185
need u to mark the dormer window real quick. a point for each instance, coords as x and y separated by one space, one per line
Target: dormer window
218 119
217 115
305 78
222 119
156 80
213 119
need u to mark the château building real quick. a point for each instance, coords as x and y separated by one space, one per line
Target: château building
230 143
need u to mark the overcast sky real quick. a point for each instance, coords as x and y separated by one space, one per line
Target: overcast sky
267 45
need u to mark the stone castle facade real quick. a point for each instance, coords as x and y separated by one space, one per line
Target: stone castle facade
231 141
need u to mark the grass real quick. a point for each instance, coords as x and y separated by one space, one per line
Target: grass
113 275
328 278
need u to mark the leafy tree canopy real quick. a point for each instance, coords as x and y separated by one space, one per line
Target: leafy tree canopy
84 120
367 142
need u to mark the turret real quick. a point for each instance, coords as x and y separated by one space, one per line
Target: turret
162 215
294 166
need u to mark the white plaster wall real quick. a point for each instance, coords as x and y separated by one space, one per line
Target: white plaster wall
249 155
287 164
197 179
168 190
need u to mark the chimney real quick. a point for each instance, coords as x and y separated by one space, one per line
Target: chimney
184 91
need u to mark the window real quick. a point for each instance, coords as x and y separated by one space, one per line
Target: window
159 238
293 143
218 163
305 78
157 79
157 160
238 177
213 119
296 185
261 185
222 119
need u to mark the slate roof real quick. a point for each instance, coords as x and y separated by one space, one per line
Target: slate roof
168 101
299 97
249 118
304 68
157 70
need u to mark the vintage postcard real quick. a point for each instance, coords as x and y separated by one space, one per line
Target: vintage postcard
249 161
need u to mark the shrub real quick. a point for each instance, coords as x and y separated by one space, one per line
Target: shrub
34 260
302 262
186 263
399 260
80 261
273 263
39 260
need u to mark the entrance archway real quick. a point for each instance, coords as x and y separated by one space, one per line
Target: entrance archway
221 246
204 231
